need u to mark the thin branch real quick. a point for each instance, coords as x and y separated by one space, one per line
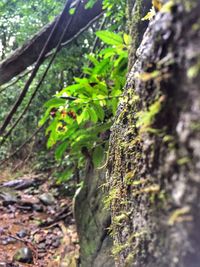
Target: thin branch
22 146
96 41
36 90
27 54
50 53
78 33
15 81
43 76
71 98
34 72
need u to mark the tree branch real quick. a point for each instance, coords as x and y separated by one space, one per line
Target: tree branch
28 53
22 146
37 65
59 46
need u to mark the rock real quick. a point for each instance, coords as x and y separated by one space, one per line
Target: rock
2 231
7 264
22 184
4 242
24 255
22 233
47 199
42 246
9 197
12 183
41 255
11 240
48 241
56 243
38 208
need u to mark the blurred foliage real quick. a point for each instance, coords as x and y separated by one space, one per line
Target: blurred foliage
85 92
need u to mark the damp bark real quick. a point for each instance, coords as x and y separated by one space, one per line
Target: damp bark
154 156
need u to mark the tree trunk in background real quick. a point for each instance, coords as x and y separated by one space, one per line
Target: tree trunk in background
154 157
92 221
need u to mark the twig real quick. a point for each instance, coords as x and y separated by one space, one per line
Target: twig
78 33
60 216
19 148
57 219
15 81
50 53
42 79
96 41
37 65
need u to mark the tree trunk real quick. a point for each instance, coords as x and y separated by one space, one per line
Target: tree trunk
154 157
93 221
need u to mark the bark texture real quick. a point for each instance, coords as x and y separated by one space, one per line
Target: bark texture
154 157
93 221
26 55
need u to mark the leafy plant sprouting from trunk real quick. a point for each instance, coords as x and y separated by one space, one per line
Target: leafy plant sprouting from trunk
80 115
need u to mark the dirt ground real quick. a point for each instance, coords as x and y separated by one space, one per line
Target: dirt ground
30 222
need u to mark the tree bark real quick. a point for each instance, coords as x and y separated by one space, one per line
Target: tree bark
154 157
26 55
93 221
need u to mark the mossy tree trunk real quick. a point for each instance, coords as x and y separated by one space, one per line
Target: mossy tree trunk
154 158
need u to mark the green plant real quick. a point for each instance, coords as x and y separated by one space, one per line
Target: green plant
80 115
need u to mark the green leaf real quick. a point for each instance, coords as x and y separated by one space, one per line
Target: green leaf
65 176
60 150
102 67
85 140
55 102
72 11
84 116
93 115
71 88
90 4
114 104
98 156
108 52
110 38
127 39
45 117
93 59
99 111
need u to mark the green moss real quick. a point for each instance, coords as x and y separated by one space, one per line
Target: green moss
152 189
117 249
195 126
183 161
121 217
196 26
179 215
147 117
188 4
113 195
147 76
129 259
168 138
194 70
128 177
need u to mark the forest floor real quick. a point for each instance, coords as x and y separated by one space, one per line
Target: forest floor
36 224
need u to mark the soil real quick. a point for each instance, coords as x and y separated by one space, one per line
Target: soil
48 230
